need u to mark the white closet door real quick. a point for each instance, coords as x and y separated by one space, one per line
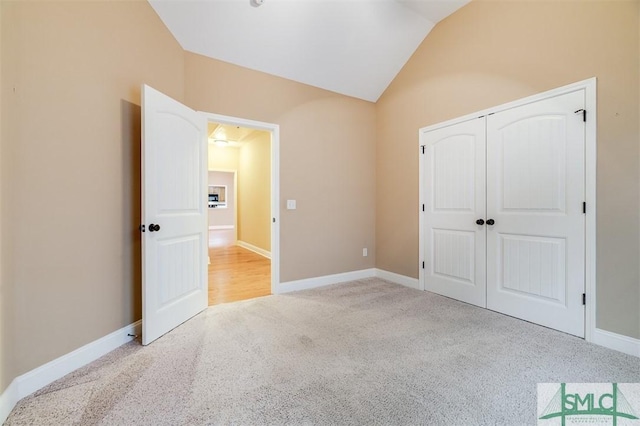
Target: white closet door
535 191
455 200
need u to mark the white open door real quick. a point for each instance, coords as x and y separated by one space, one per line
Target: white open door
174 213
455 210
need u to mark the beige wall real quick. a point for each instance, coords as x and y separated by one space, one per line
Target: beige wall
491 52
71 135
326 148
5 341
254 191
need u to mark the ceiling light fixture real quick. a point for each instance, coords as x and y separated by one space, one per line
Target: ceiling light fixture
256 3
221 142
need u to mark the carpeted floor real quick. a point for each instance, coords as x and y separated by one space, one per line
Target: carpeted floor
366 352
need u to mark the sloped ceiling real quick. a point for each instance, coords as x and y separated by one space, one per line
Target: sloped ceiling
353 47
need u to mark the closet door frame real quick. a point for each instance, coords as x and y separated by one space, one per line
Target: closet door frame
589 88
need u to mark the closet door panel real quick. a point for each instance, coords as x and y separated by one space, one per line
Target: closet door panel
454 185
535 191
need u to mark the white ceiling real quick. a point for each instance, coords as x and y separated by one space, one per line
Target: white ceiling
353 47
235 136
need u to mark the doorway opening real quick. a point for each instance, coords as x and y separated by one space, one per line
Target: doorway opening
242 209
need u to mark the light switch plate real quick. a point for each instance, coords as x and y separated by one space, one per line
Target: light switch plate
291 204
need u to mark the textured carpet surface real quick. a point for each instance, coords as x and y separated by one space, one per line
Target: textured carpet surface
366 352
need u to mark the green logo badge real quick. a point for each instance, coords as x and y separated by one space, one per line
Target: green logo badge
587 403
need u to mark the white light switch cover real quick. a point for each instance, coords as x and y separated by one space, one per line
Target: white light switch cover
291 204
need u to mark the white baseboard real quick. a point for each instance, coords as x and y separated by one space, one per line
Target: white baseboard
398 279
40 377
8 400
217 227
255 249
324 280
617 342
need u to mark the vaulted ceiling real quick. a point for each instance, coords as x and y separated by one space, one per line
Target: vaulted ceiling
353 47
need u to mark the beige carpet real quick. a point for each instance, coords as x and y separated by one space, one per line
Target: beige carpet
367 352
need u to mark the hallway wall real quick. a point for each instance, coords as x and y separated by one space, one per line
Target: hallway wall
254 191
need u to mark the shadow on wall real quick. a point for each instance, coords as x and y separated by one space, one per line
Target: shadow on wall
131 121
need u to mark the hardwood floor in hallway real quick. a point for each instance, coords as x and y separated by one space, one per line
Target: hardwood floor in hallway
235 273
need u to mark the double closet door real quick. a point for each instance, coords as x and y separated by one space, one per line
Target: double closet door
504 222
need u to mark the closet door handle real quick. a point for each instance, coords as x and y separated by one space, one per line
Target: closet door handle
153 228
490 221
480 222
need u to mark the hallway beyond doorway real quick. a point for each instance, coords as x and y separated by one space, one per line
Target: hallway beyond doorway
235 273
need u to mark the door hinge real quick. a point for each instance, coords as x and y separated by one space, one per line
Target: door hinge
422 146
423 207
274 220
584 298
584 207
584 114
423 265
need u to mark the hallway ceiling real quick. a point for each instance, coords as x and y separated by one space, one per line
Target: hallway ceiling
234 135
352 47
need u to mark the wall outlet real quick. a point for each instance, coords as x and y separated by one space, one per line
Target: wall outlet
364 252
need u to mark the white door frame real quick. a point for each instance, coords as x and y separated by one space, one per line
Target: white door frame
274 129
589 87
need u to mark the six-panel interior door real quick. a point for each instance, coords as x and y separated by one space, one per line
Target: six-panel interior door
535 191
455 200
174 211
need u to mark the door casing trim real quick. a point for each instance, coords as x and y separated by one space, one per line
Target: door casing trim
274 129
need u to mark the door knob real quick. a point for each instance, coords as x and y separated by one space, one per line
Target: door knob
489 222
480 222
153 228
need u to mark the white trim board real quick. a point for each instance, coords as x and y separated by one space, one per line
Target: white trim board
617 342
40 377
589 87
325 280
8 400
219 227
398 279
255 249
